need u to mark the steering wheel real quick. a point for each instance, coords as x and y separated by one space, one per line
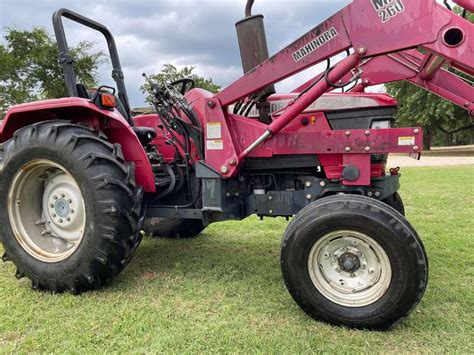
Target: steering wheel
183 85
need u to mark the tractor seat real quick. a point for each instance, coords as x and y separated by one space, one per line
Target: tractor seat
145 134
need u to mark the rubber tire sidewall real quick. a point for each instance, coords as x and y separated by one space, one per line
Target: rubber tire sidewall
408 278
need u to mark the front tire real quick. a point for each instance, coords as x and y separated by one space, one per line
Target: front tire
395 201
350 260
71 212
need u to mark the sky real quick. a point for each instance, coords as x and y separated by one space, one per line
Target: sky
199 33
150 33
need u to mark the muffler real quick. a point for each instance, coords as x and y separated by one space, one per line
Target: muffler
254 50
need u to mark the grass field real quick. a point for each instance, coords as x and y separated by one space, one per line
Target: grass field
223 291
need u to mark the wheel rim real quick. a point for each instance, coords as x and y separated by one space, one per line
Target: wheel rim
46 211
349 268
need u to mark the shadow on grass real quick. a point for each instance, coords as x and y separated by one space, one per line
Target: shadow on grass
208 258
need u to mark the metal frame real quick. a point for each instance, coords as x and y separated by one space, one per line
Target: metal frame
68 63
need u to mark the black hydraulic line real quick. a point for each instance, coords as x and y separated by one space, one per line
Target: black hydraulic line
328 65
334 85
170 187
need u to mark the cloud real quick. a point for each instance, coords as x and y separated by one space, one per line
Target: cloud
198 33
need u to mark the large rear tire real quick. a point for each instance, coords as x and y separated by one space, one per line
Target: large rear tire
70 212
351 260
173 228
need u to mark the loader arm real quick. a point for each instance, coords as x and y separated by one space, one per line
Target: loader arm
425 25
383 39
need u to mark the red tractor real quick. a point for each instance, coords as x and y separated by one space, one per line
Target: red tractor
81 177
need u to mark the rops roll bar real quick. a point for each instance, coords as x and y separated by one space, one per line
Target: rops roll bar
68 63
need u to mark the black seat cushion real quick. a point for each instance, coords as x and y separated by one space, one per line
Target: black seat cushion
145 134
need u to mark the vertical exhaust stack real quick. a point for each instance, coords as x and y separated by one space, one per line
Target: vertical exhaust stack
254 50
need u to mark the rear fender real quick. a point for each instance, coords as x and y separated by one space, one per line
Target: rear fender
78 110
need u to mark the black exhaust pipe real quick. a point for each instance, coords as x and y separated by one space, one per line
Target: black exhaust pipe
253 49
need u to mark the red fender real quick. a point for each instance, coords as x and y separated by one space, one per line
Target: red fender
78 110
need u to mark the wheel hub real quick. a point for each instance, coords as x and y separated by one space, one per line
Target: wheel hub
47 211
349 262
349 268
62 209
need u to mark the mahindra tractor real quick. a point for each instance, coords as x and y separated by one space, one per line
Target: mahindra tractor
82 179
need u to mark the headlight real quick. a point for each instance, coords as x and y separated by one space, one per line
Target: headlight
381 124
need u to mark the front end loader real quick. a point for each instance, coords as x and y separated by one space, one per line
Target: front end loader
81 177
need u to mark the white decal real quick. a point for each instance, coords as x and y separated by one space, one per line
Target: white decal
406 140
214 130
387 9
216 144
315 44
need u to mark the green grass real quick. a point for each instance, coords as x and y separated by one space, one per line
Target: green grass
223 291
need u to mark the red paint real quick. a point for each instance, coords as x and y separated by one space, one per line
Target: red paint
80 110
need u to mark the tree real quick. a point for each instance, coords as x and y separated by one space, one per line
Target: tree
170 73
444 123
30 70
439 117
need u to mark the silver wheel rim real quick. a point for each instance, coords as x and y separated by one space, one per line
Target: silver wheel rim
349 268
46 211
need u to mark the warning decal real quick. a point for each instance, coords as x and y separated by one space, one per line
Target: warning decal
406 140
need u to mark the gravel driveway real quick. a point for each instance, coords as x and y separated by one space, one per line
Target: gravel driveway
432 158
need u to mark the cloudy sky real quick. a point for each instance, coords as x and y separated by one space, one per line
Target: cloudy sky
150 33
200 33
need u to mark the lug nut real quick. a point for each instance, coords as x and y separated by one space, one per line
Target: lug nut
322 183
377 194
308 184
68 219
308 196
